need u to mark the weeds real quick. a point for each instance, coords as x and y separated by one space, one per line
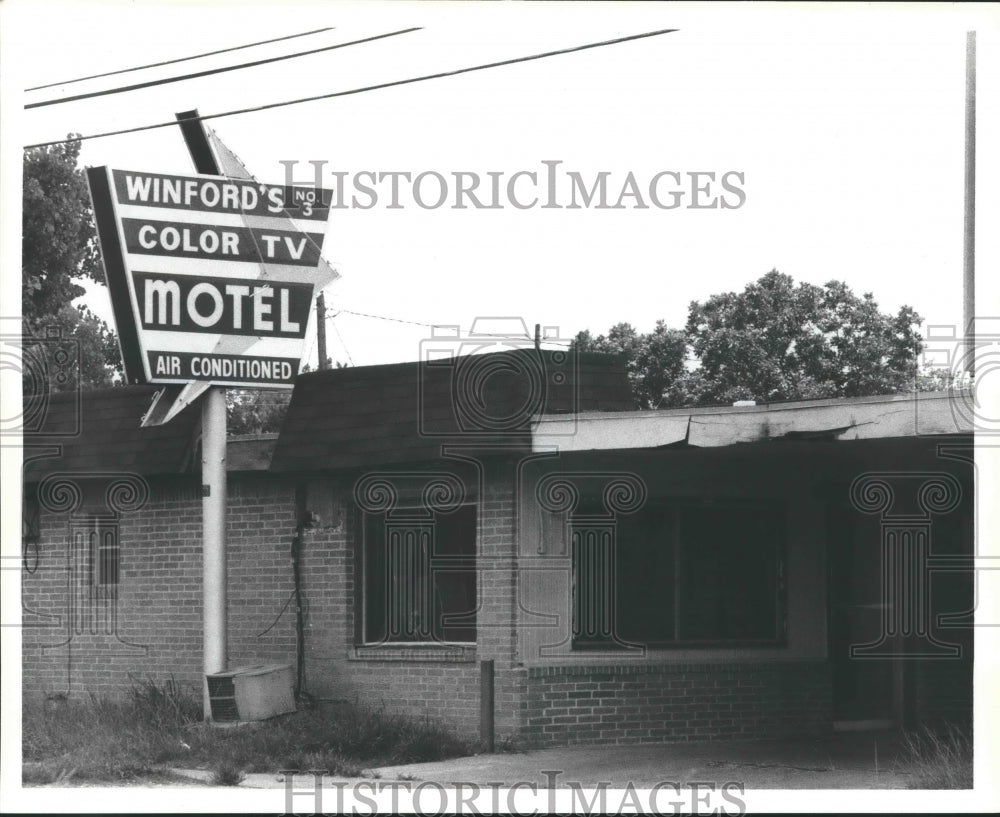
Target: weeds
938 759
227 774
152 726
105 738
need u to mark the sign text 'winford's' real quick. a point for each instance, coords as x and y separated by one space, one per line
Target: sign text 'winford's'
213 195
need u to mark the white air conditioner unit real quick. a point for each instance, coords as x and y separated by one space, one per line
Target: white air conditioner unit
251 693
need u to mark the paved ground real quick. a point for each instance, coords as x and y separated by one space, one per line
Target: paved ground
845 761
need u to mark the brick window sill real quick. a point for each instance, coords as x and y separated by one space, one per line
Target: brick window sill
449 653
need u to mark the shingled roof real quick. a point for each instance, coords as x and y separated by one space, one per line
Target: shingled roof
99 432
342 418
405 412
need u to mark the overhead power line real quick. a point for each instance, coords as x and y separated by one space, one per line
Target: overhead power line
333 313
210 71
340 337
179 59
365 89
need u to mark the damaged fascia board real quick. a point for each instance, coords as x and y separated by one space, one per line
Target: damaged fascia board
849 419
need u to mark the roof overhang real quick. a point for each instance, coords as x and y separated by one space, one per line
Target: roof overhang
922 415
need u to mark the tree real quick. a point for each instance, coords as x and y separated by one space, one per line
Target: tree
261 411
256 411
59 247
775 340
780 341
652 361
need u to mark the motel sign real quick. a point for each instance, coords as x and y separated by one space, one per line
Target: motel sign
212 279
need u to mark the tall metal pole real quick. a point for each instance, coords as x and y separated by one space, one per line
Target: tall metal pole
213 467
213 509
969 250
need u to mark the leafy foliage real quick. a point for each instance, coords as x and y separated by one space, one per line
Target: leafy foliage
59 247
653 361
261 411
255 411
775 340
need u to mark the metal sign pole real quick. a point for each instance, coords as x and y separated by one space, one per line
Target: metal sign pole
213 508
213 468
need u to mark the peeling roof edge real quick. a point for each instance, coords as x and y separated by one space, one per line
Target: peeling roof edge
910 415
789 405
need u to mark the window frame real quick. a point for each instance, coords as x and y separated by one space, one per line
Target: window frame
673 509
99 528
409 509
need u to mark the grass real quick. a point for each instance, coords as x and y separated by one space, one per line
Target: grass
151 727
227 774
938 759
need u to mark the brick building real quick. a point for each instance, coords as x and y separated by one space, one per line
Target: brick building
633 576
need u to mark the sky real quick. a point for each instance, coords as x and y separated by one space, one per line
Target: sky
842 128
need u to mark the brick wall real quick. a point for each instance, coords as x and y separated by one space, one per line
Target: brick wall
676 702
444 688
497 618
158 610
78 640
438 683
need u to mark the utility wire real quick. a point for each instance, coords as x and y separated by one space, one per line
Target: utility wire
381 318
208 72
334 312
179 59
340 337
277 618
365 89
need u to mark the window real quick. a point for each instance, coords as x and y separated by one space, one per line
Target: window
103 553
680 574
420 576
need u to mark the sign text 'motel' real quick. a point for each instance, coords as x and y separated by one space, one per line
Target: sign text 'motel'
211 278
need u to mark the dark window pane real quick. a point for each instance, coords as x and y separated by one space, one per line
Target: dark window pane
420 577
376 596
681 574
728 575
109 557
646 577
104 553
593 583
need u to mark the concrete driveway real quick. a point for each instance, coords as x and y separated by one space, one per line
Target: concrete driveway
840 761
846 761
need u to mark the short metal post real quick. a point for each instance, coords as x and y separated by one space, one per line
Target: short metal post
486 733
